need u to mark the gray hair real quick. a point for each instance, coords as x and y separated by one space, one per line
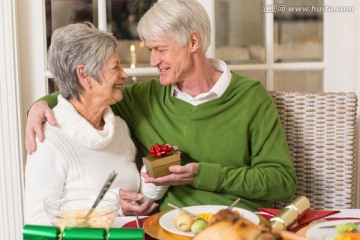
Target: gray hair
177 19
77 44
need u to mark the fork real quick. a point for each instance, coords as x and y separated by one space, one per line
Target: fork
233 204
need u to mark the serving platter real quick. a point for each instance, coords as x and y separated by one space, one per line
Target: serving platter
153 229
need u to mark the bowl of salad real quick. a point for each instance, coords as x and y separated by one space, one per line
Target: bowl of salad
72 209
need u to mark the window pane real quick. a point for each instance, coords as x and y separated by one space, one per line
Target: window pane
259 75
298 31
292 81
122 19
52 87
239 28
62 12
133 53
125 15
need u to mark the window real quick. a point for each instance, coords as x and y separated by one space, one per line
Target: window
274 41
122 17
281 43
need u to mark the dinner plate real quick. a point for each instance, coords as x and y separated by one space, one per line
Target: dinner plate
167 220
317 233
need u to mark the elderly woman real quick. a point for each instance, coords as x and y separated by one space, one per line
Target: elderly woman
89 141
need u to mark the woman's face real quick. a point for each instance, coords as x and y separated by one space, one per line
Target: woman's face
172 60
109 91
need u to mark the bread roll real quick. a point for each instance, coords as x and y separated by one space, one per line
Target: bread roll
183 221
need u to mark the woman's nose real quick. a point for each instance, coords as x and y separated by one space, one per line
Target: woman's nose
123 74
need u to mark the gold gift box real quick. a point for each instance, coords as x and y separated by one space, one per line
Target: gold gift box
157 167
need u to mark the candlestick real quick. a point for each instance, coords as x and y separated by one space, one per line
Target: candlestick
133 56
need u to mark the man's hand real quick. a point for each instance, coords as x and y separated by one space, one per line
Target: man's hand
129 202
38 114
180 175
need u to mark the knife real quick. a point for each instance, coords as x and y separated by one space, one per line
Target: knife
334 225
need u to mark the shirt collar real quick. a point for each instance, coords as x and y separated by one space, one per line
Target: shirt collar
220 86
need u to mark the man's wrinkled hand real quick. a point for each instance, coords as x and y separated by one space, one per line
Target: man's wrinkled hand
180 175
38 114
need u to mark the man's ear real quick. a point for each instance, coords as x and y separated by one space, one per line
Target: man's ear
84 80
195 41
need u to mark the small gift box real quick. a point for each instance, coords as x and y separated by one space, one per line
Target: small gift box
160 159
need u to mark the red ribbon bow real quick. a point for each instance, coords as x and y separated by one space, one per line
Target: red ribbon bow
160 151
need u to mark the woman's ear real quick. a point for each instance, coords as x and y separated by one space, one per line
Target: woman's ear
84 80
194 41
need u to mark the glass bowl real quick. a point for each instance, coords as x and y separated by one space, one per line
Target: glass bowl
71 208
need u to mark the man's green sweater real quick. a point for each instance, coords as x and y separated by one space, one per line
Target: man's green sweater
237 140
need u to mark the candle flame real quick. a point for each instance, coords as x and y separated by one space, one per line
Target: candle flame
132 48
133 56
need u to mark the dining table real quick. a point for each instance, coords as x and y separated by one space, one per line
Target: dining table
153 230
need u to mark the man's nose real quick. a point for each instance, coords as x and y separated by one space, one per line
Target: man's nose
154 58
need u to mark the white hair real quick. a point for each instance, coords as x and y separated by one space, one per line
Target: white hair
176 19
73 45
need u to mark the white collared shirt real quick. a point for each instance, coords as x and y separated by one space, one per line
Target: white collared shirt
216 91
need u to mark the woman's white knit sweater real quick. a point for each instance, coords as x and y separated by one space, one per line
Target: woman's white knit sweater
75 155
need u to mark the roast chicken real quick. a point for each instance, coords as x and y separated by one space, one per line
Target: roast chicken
227 225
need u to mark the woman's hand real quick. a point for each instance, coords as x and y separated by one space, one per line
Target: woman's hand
180 175
132 204
38 114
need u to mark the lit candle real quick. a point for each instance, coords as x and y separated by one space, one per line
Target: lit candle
133 56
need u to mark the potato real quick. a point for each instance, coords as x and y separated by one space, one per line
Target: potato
183 221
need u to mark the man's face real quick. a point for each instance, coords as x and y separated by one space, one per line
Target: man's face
172 60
